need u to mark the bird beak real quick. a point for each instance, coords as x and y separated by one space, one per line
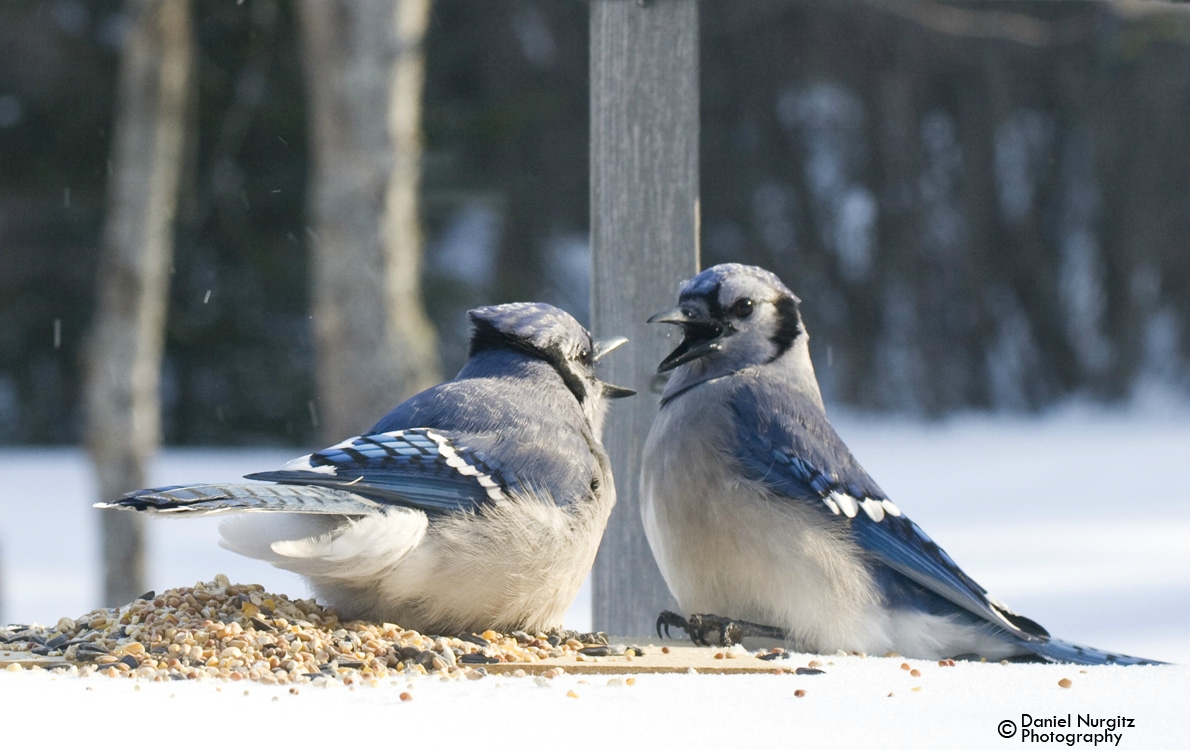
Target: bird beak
702 335
677 316
615 391
602 347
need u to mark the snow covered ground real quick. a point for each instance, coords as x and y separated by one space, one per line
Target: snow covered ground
848 707
1079 519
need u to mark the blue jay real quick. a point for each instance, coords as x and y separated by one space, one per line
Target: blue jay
478 503
765 525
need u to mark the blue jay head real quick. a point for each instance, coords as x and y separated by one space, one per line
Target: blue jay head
544 332
732 316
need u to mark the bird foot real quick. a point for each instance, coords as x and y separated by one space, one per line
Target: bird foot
723 631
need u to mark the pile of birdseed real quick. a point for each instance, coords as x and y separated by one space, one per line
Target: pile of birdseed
240 632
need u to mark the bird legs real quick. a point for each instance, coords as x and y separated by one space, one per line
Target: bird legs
723 630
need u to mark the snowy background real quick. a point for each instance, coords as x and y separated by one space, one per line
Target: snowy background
1079 519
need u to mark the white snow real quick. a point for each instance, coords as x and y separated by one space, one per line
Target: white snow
1079 520
849 706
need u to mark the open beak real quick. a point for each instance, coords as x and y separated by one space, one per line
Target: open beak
602 347
702 335
677 316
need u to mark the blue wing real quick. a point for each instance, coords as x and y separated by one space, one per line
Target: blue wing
787 444
433 470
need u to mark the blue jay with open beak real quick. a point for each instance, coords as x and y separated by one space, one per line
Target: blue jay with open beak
765 525
478 503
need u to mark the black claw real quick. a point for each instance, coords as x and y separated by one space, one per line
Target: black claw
669 619
700 625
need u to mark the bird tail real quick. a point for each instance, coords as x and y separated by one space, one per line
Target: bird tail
210 499
316 531
1058 650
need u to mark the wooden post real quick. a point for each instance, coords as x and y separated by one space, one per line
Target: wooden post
644 241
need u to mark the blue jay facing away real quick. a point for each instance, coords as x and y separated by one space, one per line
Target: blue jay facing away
478 503
760 518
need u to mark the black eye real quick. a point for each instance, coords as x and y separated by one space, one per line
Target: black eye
584 355
742 308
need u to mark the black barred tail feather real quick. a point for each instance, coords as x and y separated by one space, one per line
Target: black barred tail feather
210 499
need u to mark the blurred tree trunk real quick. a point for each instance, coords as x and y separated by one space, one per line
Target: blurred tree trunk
365 69
123 357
